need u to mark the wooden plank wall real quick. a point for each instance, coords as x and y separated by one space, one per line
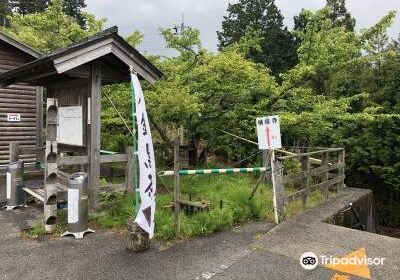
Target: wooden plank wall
69 94
20 99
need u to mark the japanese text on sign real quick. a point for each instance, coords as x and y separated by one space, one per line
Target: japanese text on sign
269 133
13 117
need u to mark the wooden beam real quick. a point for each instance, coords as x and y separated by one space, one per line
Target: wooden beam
83 160
278 190
68 84
129 169
113 188
331 184
76 160
325 175
176 188
113 158
311 172
63 148
39 122
142 69
90 54
31 150
311 153
108 73
14 152
305 182
341 170
94 146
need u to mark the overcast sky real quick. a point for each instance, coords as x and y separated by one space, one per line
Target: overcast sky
148 15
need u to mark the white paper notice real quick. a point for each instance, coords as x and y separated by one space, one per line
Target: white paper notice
69 130
8 185
73 206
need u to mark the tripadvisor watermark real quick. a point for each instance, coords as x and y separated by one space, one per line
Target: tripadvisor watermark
309 260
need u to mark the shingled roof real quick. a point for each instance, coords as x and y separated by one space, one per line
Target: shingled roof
19 45
115 53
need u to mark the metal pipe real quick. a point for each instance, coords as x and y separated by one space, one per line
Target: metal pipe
216 171
135 155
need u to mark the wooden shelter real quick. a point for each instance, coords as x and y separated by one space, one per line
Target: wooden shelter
73 77
20 115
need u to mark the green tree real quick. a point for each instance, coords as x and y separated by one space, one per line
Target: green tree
300 23
339 14
5 10
344 92
386 81
202 93
52 29
278 46
74 8
135 38
326 54
25 7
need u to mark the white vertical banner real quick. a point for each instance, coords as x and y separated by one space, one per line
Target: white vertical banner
147 167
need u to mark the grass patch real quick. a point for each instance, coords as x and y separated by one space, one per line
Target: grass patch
36 232
38 229
234 191
120 208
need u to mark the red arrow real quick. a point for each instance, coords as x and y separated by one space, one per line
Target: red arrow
268 138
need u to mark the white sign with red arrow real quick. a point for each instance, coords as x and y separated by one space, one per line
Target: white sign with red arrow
269 133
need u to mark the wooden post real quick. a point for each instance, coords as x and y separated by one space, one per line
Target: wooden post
305 181
176 188
278 189
267 176
129 170
325 175
94 148
51 167
341 170
14 151
39 124
85 126
267 162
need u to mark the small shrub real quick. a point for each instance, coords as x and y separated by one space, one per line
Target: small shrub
37 231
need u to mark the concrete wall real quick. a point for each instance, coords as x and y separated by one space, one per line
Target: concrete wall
364 207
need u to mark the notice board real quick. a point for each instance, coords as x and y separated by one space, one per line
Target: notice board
70 130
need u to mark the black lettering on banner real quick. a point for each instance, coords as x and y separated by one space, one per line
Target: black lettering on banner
149 188
143 123
148 163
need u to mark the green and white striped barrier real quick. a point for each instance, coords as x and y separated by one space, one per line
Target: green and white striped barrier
215 171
